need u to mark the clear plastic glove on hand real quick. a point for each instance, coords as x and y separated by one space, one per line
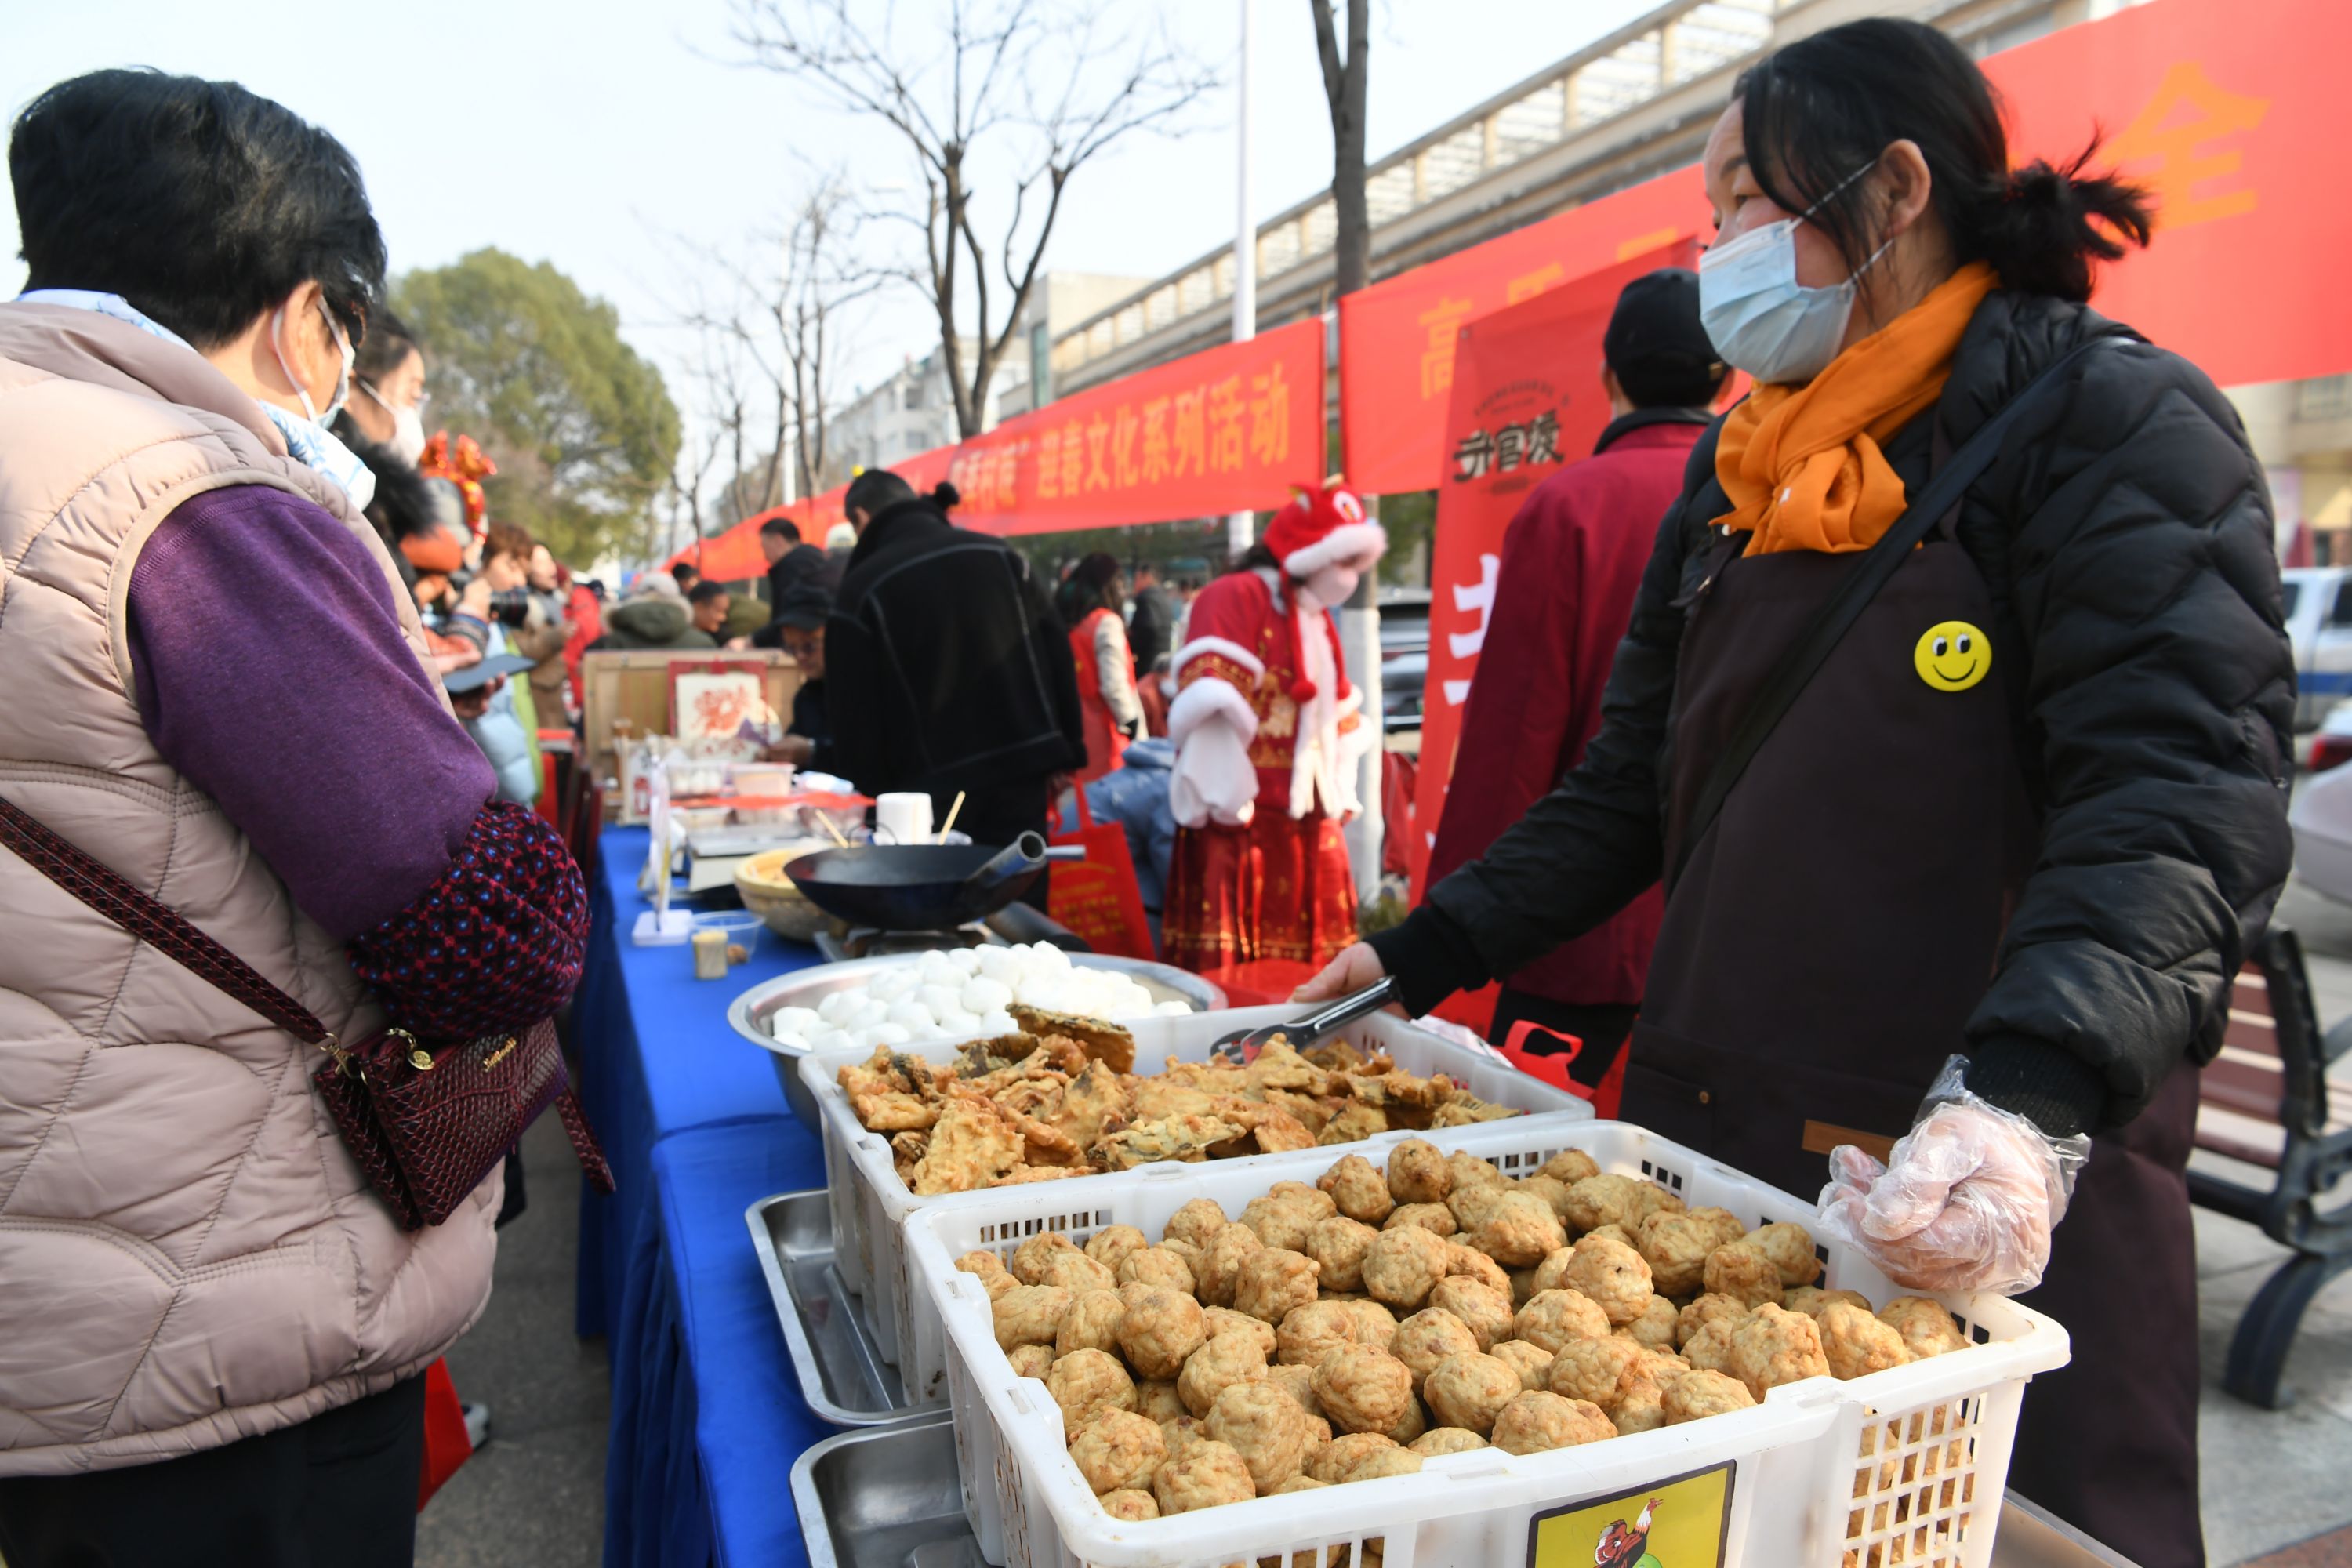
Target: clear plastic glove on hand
1967 1203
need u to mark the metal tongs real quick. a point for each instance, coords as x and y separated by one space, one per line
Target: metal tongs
1242 1045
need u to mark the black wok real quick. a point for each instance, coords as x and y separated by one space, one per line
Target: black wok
918 886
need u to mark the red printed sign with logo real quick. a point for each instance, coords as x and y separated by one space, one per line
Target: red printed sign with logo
1527 401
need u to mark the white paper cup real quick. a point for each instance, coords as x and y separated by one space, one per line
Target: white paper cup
904 818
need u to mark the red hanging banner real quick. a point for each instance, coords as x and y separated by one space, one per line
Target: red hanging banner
1526 400
2225 112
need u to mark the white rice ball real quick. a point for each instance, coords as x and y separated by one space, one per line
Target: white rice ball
1001 965
909 1014
998 1023
1171 1009
791 1041
966 959
885 1034
892 983
1049 958
833 1040
840 1006
938 999
936 969
983 995
794 1020
956 1022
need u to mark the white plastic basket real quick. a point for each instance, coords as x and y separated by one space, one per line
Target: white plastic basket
1801 1493
870 1204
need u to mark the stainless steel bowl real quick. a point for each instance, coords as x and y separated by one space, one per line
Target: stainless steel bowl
749 1012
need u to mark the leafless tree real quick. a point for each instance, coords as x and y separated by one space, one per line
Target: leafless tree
682 494
1343 90
1029 88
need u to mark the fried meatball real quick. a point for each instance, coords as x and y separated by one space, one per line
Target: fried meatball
1552 1317
1196 1223
1926 1327
982 1264
1343 1453
1208 1372
1695 1396
1551 1274
1435 1218
1570 1166
1466 1169
1857 1344
1091 1324
1612 1276
1220 1264
1551 1189
1616 1232
1709 1349
1655 1327
1136 1290
1188 1251
1417 1172
1159 1332
1704 1310
1130 1504
1429 1337
1359 1189
1114 1245
1485 1310
1813 1300
1440 1440
1536 1421
1376 1326
1650 1198
1273 1280
1085 1383
1791 1248
1283 1222
1030 1257
1471 1202
1156 1399
1775 1346
1076 1272
1744 1271
1722 1221
1469 1262
1338 1244
1311 1331
1470 1390
1030 1361
1596 1201
1158 1266
1204 1473
1411 1425
1118 1449
1363 1391
1179 1431
1601 1371
1225 1320
1519 1230
1676 1247
1264 1426
1029 1314
1401 1266
1532 1362
1393 1460
1298 1381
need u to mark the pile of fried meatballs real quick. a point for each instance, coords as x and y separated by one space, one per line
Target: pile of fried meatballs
1344 1332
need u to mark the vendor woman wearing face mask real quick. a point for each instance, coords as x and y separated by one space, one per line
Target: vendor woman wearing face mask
2024 813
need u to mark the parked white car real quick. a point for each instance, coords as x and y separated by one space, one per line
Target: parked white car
2318 603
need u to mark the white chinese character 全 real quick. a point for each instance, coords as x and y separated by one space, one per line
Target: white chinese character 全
1465 645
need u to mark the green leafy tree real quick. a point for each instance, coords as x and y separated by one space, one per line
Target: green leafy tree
582 428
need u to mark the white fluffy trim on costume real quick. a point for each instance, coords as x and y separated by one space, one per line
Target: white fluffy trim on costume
1222 646
1357 544
1205 699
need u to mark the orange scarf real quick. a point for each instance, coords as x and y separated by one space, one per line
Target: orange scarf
1801 464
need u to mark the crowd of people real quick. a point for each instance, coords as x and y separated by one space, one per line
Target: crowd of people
1785 798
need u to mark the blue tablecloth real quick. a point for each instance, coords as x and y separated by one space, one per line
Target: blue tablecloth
707 1415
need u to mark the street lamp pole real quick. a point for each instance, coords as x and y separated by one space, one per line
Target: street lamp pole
1239 528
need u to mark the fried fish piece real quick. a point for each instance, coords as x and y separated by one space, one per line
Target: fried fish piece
1100 1039
1090 1102
1466 1111
973 1146
1157 1097
1356 1123
1279 1066
1170 1138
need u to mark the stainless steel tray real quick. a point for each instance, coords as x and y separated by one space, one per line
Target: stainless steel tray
842 1378
884 1498
749 1014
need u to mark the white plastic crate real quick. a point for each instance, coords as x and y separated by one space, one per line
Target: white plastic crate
1802 1494
870 1204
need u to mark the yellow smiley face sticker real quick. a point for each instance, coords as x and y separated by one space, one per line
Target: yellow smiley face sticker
1952 656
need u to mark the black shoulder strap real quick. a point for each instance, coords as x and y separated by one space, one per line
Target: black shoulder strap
1941 493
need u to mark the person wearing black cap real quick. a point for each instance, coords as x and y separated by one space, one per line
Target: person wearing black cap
1573 560
799 626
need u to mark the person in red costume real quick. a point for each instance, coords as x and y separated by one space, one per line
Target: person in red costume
1268 732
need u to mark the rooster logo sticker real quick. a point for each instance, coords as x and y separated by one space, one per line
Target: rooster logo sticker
1681 1522
1627 1546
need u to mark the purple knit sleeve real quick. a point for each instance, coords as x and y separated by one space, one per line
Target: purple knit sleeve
272 674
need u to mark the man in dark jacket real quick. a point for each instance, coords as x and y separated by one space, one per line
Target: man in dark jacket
1572 559
789 565
1153 624
654 616
801 616
946 668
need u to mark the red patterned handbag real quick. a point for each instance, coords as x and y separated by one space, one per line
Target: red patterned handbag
426 1120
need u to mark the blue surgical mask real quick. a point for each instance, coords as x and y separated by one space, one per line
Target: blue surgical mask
1759 318
343 377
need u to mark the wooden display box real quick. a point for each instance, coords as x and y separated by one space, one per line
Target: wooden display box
635 684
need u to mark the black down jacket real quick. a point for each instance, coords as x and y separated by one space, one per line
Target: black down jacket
2128 549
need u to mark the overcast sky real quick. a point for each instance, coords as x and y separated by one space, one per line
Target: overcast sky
582 134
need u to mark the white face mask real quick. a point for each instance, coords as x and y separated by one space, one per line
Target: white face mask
1759 318
1330 586
408 441
343 377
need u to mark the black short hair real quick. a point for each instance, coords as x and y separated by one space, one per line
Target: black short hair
782 528
389 345
685 572
1668 382
202 203
1814 113
702 593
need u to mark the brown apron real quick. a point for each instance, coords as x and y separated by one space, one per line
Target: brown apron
1826 943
